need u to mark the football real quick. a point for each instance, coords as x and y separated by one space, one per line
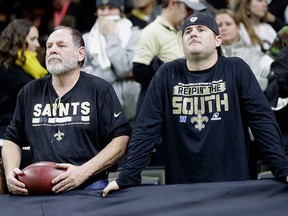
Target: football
38 176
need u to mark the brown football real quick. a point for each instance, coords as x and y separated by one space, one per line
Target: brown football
38 176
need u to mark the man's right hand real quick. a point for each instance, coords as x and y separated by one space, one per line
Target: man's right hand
13 184
106 26
112 186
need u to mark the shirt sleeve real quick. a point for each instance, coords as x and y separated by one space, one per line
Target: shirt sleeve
146 133
146 48
263 124
113 120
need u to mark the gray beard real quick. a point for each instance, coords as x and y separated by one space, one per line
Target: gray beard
60 68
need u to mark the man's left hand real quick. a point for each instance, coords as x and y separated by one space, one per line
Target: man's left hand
69 180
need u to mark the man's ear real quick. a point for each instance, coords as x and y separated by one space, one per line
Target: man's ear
81 53
218 40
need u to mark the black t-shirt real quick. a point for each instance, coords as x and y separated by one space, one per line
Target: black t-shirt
71 129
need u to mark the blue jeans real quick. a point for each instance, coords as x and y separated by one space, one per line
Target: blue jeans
98 185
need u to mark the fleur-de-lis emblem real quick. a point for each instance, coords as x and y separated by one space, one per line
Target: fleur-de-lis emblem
193 19
105 2
199 121
59 135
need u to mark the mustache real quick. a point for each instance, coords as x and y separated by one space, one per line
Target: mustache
53 57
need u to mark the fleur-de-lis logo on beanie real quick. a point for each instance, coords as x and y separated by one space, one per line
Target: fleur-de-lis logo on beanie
193 19
105 2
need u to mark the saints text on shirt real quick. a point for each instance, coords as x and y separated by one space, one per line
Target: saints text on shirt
73 112
205 97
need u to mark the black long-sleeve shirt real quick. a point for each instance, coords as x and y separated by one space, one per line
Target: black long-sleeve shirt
203 118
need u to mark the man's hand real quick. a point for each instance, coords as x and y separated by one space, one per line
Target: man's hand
106 26
13 184
110 187
69 180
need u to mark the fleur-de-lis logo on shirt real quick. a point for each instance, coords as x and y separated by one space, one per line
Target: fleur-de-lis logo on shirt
59 135
199 121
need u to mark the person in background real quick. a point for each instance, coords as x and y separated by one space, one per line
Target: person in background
202 107
276 49
143 12
110 45
68 13
18 66
220 4
160 42
275 62
277 10
254 30
232 44
279 44
77 117
213 6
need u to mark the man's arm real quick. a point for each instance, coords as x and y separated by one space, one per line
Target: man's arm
146 132
11 156
108 156
262 123
76 175
142 73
